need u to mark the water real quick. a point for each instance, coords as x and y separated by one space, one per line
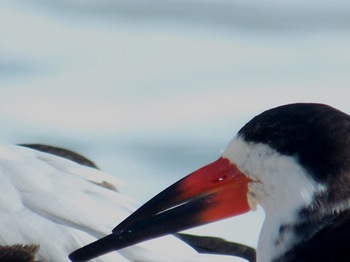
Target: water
152 90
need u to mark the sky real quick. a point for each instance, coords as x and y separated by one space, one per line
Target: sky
153 90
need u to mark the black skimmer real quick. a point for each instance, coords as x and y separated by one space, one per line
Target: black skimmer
293 160
52 203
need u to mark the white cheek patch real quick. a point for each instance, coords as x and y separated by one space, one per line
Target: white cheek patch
279 181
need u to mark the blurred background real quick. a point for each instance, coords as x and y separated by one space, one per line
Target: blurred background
151 90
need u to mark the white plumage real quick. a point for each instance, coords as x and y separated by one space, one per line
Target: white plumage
62 206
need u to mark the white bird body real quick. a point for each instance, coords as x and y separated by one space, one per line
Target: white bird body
61 205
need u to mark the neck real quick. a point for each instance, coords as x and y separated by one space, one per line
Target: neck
275 237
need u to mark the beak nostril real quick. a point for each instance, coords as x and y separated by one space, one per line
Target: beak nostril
220 179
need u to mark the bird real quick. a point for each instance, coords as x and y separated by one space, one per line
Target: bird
292 160
54 200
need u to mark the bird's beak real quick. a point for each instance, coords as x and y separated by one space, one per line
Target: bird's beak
216 191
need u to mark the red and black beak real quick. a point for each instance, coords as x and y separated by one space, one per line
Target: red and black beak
216 191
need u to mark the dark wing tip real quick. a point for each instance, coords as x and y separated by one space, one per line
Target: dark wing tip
219 246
